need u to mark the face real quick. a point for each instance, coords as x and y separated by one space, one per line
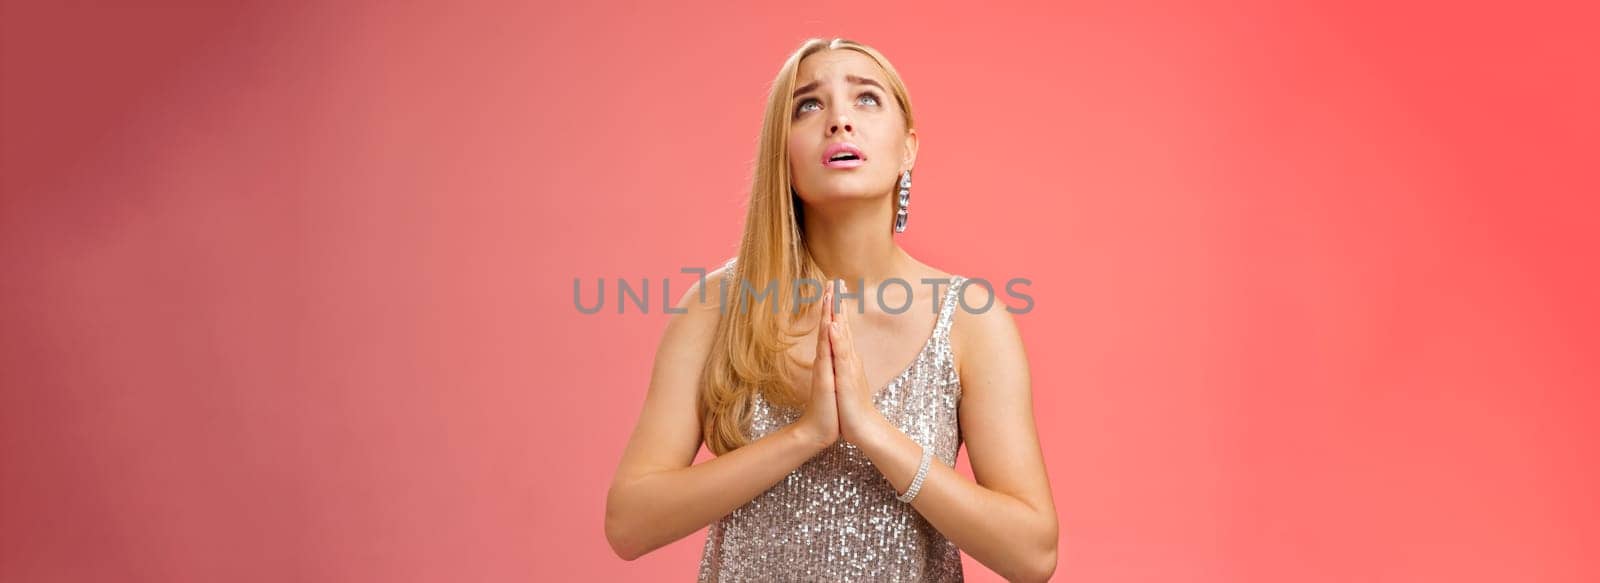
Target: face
847 136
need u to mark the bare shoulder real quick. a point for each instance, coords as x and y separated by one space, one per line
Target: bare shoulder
693 323
705 295
667 434
983 333
996 407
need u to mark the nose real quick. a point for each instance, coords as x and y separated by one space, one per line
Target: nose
840 123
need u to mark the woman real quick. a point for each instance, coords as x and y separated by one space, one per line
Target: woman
834 456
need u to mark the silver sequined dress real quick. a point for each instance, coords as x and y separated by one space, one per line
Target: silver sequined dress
836 517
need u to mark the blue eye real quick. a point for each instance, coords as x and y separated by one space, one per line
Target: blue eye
811 101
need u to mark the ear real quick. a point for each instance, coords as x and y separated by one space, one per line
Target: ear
911 150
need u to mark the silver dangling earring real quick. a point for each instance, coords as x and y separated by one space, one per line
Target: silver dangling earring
904 213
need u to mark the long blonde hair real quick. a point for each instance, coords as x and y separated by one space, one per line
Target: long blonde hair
752 340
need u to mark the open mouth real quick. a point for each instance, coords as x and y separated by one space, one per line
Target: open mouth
843 155
844 161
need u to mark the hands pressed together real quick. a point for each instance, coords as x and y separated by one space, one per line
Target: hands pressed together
841 404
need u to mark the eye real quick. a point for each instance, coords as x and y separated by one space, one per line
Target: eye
870 96
799 109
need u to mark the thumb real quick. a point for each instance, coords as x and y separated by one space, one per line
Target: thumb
822 367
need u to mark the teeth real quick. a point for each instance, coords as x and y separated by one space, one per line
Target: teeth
842 155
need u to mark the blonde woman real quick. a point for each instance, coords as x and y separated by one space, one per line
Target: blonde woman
835 411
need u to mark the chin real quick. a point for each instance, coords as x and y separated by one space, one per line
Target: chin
849 188
840 194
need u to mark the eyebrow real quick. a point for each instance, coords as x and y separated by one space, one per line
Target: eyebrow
851 78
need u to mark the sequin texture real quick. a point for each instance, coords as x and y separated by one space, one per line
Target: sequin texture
836 517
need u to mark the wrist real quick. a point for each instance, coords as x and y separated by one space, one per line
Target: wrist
871 432
807 437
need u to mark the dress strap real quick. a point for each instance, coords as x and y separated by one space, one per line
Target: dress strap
948 309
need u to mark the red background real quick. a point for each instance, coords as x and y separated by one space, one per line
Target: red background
287 287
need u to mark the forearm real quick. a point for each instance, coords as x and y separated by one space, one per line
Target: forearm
655 509
999 530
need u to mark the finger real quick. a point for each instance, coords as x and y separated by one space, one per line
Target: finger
848 342
822 324
840 326
843 368
827 311
827 305
843 319
822 368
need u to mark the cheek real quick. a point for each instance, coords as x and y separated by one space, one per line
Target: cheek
796 156
889 148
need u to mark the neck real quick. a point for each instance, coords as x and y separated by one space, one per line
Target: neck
854 241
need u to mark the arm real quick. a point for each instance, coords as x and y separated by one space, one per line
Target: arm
1006 520
657 497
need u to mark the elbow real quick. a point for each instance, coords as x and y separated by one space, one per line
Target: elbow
1044 561
617 535
1038 568
1045 567
623 551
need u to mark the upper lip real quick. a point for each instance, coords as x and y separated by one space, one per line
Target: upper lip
841 147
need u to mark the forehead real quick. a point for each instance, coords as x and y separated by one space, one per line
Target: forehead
834 64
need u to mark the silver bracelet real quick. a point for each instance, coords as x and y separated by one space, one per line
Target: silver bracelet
922 472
